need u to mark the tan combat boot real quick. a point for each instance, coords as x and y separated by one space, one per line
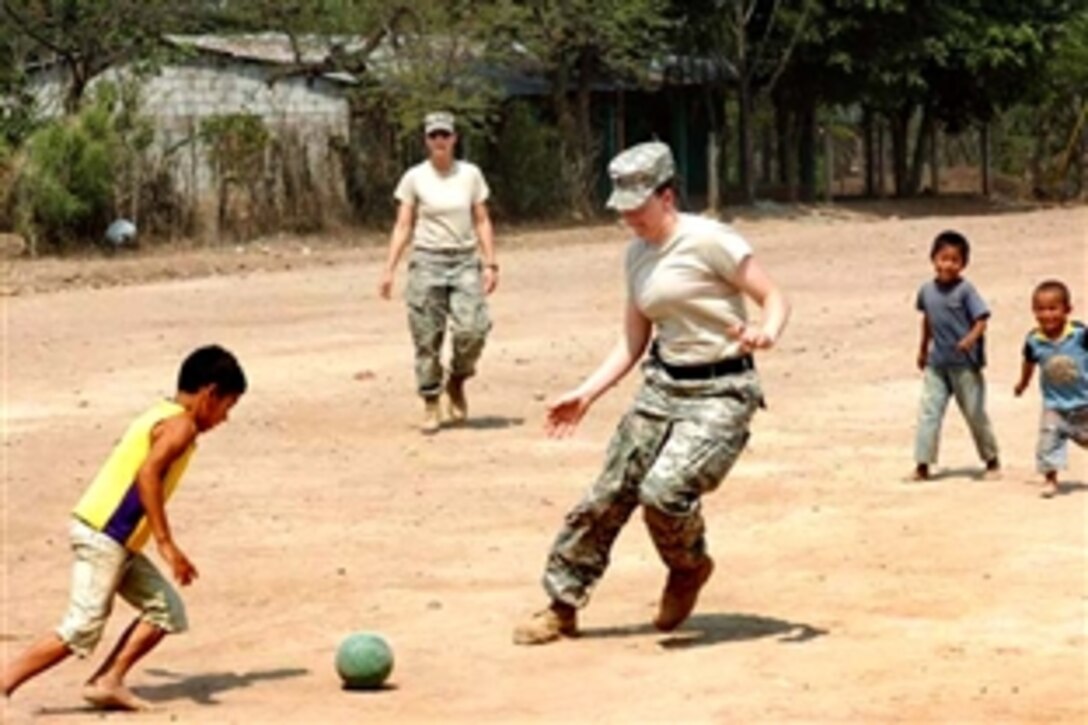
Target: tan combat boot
432 416
455 389
681 592
548 625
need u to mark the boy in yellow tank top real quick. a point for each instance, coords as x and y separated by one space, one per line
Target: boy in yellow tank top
122 508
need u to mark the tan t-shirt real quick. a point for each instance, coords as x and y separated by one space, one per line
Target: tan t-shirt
443 204
684 287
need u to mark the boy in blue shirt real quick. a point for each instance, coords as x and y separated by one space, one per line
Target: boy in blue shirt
952 355
1059 346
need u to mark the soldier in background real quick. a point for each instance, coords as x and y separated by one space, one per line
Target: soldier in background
687 277
443 214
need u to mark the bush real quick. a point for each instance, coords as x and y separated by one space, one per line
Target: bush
526 174
7 186
237 145
77 171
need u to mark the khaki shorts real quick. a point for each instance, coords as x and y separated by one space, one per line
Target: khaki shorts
103 568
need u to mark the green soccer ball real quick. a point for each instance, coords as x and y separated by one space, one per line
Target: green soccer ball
364 661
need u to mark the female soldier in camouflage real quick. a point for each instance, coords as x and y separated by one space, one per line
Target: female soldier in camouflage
443 213
687 277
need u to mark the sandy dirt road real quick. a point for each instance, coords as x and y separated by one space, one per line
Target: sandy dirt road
842 594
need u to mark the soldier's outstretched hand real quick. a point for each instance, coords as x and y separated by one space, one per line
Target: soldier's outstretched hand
565 412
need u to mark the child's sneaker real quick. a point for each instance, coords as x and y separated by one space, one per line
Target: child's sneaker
548 625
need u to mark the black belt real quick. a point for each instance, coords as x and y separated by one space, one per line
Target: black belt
447 252
728 366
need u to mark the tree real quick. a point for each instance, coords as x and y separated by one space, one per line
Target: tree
956 64
1047 131
16 101
87 37
756 38
402 59
575 43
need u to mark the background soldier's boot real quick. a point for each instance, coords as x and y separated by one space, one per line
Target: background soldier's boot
455 389
548 625
681 592
432 416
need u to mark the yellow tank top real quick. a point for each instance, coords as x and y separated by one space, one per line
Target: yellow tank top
112 502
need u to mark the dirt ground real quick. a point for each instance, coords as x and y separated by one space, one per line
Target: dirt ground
841 595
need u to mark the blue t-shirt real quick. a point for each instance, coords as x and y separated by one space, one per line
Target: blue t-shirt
952 310
1059 394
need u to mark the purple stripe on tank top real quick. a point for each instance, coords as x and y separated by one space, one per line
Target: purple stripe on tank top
126 517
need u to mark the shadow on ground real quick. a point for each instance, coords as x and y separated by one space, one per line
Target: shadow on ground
491 422
1065 488
707 629
975 474
203 689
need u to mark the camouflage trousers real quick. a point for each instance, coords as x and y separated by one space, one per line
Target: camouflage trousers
445 289
676 443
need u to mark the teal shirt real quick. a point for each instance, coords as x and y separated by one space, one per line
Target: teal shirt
1072 344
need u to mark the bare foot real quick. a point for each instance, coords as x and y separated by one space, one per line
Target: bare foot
114 698
1050 489
920 473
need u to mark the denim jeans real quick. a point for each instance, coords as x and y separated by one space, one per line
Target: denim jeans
968 387
1056 429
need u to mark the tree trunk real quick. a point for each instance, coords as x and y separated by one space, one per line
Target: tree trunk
621 120
584 162
934 160
766 155
585 76
744 139
782 138
785 121
881 175
869 150
921 145
829 163
806 132
571 144
713 187
77 85
900 123
984 148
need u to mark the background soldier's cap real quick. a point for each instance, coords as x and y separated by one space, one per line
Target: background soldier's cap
637 172
438 121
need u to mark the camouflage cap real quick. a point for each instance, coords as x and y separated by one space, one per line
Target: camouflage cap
438 121
637 172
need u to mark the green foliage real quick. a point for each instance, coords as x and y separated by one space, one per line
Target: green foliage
1047 133
87 37
617 37
525 172
73 180
8 174
236 144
